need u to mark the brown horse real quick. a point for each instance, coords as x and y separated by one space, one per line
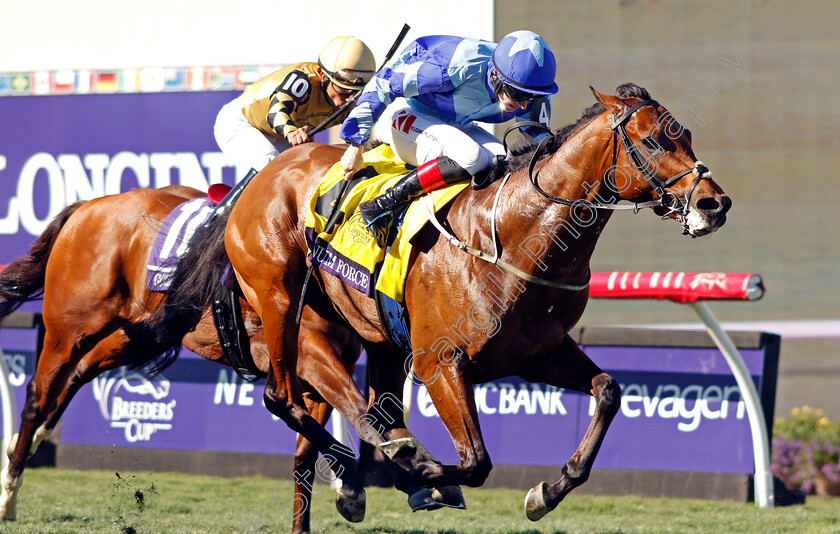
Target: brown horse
474 320
90 265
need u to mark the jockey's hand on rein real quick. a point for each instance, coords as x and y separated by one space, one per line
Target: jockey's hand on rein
351 161
299 136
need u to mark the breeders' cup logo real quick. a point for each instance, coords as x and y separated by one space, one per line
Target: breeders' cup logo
358 230
16 364
139 418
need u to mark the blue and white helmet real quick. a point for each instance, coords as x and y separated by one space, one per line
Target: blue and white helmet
524 61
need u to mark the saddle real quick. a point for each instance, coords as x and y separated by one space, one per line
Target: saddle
349 252
170 245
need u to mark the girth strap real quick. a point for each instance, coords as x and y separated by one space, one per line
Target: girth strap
233 338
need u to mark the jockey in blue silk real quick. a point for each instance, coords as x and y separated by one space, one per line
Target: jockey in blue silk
426 104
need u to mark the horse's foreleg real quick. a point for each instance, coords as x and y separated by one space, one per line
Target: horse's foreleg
570 368
104 357
82 376
283 398
451 390
11 477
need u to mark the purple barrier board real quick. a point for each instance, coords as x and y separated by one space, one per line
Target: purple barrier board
193 405
57 149
681 410
18 348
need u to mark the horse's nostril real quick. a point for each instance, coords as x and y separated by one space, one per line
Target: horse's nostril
725 203
709 205
713 205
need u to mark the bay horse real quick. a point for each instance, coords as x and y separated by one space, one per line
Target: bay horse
90 265
473 320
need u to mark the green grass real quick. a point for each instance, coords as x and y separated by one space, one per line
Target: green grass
61 501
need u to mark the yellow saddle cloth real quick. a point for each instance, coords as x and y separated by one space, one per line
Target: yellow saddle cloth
348 250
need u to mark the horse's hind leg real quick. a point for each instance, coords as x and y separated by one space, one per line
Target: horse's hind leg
572 369
47 392
280 285
102 358
306 455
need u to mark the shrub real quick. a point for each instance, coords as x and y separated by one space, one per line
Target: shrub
806 446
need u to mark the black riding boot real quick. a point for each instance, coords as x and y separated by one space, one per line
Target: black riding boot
377 213
232 195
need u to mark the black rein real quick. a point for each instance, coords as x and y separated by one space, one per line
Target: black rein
666 199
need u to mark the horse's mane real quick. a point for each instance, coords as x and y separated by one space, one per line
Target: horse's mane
520 153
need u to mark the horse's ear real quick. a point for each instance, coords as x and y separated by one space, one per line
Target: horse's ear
612 103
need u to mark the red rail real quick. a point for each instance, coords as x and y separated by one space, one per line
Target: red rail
677 286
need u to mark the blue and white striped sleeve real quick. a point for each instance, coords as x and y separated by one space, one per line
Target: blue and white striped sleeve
386 86
405 80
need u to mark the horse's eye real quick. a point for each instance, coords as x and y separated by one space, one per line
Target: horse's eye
651 144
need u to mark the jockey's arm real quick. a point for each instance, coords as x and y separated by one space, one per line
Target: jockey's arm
281 108
369 107
352 161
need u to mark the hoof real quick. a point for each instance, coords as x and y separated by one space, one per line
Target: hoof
399 446
7 513
422 500
8 497
450 496
351 505
535 507
433 499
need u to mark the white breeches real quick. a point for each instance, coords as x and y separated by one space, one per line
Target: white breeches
418 137
244 145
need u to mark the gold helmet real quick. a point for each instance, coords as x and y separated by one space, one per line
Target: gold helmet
347 62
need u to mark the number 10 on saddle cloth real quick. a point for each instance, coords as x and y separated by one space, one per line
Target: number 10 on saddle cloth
348 251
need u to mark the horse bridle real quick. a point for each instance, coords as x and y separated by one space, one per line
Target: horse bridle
665 199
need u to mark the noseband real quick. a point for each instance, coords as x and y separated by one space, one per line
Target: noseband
665 199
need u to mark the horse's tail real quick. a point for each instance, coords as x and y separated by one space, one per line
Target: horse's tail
23 279
197 280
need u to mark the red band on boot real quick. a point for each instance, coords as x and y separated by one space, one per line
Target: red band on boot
429 176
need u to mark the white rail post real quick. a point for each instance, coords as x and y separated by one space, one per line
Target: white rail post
7 397
337 421
763 482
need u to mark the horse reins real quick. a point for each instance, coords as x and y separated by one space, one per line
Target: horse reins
665 199
495 259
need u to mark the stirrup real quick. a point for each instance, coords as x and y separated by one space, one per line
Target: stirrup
380 231
389 213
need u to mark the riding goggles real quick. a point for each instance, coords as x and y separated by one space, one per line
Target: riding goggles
517 95
352 80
